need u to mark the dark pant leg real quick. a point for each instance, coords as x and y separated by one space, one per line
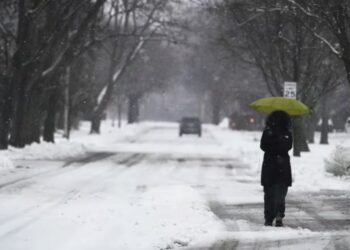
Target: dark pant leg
269 203
280 196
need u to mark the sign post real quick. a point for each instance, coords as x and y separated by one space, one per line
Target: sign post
290 90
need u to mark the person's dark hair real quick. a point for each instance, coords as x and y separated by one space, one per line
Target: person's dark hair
279 119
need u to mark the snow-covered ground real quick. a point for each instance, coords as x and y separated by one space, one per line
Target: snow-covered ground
309 170
143 187
80 144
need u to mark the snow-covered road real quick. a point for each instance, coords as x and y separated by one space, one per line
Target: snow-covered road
154 190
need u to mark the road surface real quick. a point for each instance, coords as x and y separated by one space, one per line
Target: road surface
41 194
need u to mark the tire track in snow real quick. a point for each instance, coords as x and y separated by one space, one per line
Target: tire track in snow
92 157
212 136
138 136
32 215
28 216
129 161
24 218
132 160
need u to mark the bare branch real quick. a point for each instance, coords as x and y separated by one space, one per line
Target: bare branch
6 31
36 12
317 35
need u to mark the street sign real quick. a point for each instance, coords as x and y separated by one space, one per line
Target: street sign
290 90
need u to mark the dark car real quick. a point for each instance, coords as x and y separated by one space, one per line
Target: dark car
190 125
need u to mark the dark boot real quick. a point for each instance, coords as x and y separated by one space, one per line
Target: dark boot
279 222
268 223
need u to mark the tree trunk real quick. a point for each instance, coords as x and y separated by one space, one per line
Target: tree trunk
299 143
296 140
5 114
216 108
311 128
27 122
5 124
50 121
324 124
346 57
133 108
67 105
19 82
34 131
119 107
216 112
33 117
21 73
95 125
21 103
324 131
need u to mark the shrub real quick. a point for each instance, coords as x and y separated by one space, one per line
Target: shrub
338 163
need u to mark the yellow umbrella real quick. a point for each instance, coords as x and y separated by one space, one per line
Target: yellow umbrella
269 104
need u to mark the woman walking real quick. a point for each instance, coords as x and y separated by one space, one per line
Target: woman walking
276 175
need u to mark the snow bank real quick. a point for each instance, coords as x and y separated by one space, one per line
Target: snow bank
5 163
242 145
47 151
63 150
224 123
80 143
110 135
176 216
338 163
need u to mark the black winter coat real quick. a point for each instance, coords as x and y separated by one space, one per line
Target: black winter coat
276 169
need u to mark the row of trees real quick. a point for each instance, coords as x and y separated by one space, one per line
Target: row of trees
60 58
289 40
222 83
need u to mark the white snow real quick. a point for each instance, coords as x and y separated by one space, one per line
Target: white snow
161 202
79 146
123 212
224 123
5 163
338 162
101 95
309 170
47 151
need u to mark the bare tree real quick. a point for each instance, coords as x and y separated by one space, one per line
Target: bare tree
210 71
283 49
133 24
151 72
47 38
328 21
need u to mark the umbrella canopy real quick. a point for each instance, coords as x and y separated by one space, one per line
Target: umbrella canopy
269 104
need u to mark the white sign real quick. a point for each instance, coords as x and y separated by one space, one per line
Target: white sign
290 90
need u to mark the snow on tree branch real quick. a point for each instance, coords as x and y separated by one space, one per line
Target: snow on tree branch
131 57
116 75
6 31
101 95
329 44
138 48
317 35
301 8
54 66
